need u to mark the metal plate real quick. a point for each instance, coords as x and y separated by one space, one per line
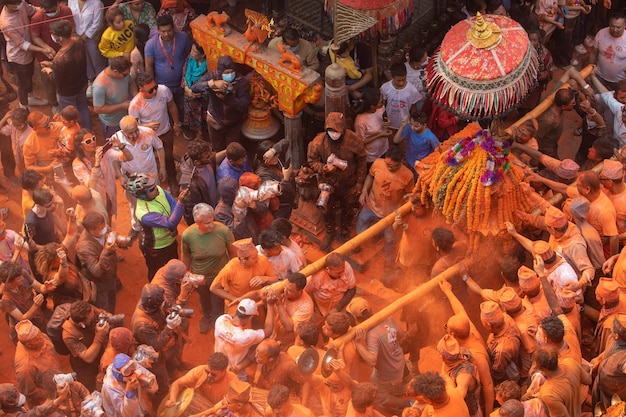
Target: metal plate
328 357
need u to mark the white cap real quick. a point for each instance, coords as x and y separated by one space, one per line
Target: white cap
247 307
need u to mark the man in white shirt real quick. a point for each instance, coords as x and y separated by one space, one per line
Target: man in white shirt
614 101
152 106
609 51
143 144
234 335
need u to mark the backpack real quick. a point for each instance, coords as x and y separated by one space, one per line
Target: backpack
54 329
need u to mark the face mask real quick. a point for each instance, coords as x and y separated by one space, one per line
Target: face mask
295 48
103 233
52 14
55 38
230 77
334 135
21 401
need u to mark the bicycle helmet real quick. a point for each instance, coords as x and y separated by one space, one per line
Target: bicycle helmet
139 184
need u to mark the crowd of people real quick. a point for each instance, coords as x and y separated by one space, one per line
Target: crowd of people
550 341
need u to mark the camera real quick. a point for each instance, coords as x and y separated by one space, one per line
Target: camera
115 320
181 311
145 353
337 162
195 279
325 191
122 241
145 377
92 405
268 189
64 379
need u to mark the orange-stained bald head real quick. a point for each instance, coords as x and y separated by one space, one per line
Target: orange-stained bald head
459 326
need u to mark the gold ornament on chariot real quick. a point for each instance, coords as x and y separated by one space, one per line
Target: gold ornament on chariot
484 35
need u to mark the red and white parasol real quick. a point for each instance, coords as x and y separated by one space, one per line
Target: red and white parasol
483 69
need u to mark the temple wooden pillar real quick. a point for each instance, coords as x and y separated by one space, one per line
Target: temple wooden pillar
335 91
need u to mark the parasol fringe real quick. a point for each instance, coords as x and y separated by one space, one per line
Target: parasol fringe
482 99
385 23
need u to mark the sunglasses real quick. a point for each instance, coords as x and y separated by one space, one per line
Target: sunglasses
89 140
152 90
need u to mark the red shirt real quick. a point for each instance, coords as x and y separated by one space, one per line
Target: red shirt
40 26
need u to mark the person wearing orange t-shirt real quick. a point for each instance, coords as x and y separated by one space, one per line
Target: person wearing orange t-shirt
211 380
388 181
242 274
41 146
601 214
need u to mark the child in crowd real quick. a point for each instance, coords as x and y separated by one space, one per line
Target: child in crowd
369 125
416 60
399 96
69 118
420 141
342 57
119 38
14 124
195 67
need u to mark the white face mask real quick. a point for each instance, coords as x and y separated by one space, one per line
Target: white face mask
55 38
104 232
21 401
333 135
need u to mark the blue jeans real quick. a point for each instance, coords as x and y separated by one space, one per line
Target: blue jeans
108 131
80 102
366 219
95 61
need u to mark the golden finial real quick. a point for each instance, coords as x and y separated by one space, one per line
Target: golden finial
482 34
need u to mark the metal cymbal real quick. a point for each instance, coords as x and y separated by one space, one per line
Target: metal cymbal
331 354
308 360
183 401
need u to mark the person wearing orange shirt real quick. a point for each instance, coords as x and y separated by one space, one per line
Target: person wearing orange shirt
388 181
41 146
601 214
242 274
211 381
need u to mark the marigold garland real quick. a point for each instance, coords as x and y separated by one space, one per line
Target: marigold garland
473 183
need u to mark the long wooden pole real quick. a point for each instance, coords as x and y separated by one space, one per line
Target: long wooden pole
359 239
549 99
381 225
403 301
